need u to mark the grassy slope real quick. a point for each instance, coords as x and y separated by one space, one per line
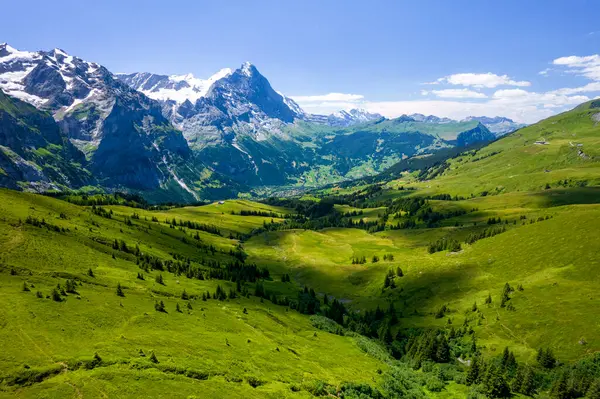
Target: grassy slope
555 260
516 163
49 335
552 259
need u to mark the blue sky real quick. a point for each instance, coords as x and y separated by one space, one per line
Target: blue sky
484 57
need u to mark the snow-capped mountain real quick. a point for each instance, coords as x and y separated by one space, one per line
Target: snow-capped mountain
430 118
498 125
179 94
352 117
127 140
234 129
343 118
48 79
240 100
177 88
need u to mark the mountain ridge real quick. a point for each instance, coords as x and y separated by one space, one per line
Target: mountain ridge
227 134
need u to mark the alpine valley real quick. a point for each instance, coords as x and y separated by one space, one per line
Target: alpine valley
67 123
173 237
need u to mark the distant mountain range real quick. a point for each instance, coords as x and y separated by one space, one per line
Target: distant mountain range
183 138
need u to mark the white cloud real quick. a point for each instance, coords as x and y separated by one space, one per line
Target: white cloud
481 80
576 61
588 66
588 88
327 98
460 109
475 98
544 72
458 93
518 98
517 104
328 103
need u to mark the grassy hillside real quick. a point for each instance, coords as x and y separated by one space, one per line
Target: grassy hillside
561 151
474 277
553 258
242 345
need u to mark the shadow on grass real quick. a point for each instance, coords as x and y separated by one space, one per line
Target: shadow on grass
422 293
569 196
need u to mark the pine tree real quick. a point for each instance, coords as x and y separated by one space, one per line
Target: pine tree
488 300
385 333
473 374
399 272
546 358
97 359
386 281
325 300
25 287
517 381
560 388
153 358
474 307
505 355
443 350
511 363
160 306
505 294
120 290
177 308
495 384
452 333
189 305
55 295
528 385
184 295
159 279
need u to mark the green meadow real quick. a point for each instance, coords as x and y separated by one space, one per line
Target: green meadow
368 291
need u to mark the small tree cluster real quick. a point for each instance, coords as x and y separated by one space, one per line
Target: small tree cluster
505 295
545 357
160 307
444 244
360 260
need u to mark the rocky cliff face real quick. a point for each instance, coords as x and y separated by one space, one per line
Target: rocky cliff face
127 140
34 153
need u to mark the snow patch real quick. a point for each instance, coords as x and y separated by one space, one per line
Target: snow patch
196 88
247 68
